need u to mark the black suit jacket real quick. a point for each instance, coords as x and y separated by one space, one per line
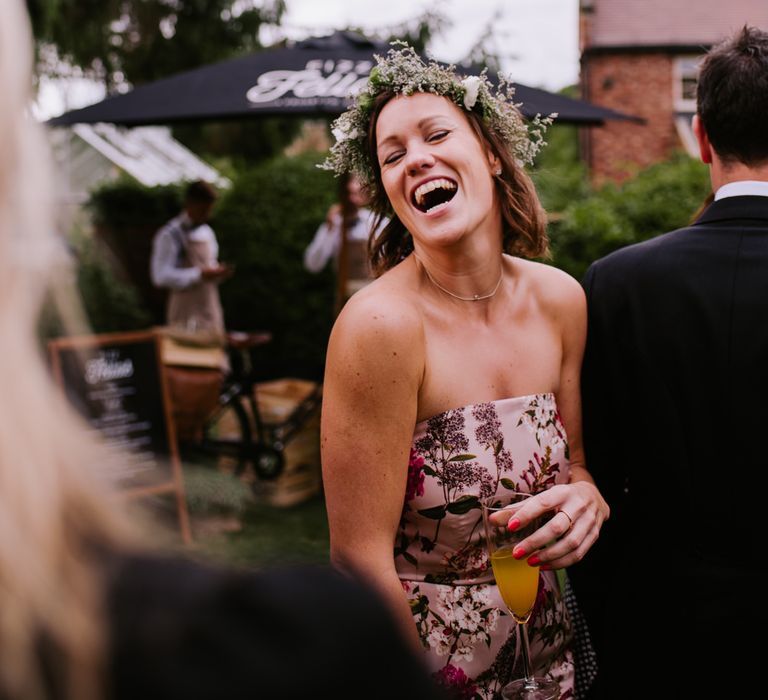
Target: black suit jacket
675 390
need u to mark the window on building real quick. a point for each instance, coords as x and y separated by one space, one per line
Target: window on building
686 70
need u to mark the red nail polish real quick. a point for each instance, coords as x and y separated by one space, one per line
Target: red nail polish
513 524
545 567
518 552
533 561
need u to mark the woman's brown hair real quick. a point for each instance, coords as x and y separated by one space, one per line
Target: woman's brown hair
523 218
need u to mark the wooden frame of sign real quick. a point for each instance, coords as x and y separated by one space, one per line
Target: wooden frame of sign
117 382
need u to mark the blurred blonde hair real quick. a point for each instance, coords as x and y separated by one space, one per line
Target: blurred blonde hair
55 512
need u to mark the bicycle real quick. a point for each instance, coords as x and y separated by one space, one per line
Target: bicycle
235 430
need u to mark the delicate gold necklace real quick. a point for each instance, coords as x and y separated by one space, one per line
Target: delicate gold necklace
474 297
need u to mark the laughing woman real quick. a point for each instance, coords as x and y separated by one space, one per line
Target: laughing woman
455 375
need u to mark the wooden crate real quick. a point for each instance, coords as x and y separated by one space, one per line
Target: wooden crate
300 479
200 350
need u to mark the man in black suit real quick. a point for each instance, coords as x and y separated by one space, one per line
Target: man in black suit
675 388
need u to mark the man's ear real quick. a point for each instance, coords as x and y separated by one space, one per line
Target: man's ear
705 147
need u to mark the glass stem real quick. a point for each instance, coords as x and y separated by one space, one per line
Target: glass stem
530 683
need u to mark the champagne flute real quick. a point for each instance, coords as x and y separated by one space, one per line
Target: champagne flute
518 584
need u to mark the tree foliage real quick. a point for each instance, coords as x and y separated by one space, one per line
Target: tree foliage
137 41
130 42
559 174
264 223
660 198
418 31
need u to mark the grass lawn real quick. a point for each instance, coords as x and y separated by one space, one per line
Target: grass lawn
272 536
229 524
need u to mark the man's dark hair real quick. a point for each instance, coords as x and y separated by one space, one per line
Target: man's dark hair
200 191
732 97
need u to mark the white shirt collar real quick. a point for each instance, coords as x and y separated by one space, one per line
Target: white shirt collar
757 188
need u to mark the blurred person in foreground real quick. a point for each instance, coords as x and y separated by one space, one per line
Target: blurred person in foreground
454 377
86 611
185 261
675 384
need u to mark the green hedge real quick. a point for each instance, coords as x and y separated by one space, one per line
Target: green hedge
125 204
661 198
264 223
111 304
126 216
559 174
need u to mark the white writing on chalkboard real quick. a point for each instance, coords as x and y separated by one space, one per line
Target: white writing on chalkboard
107 367
115 381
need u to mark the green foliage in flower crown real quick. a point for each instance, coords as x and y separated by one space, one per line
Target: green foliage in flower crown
403 72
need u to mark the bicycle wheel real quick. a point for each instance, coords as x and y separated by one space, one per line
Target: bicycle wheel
227 436
268 461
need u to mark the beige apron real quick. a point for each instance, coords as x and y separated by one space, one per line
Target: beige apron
198 307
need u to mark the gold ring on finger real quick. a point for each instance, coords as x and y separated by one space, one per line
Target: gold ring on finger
570 519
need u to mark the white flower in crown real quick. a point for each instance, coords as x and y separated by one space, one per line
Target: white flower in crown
471 90
344 131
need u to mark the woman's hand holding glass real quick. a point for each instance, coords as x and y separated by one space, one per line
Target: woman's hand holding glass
570 517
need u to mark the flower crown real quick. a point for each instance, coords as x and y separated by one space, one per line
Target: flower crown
403 72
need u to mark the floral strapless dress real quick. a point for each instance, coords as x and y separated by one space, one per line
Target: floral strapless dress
458 458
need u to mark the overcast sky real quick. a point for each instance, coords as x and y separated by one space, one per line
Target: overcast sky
537 39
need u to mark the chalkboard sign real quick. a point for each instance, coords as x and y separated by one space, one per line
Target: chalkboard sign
117 382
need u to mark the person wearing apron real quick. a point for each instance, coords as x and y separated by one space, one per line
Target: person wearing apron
185 261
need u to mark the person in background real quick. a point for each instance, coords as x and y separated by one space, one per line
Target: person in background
185 261
675 380
351 208
454 377
88 610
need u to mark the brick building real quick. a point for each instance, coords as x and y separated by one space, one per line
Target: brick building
641 57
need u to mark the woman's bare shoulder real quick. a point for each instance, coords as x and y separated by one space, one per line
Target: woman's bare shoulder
381 316
554 288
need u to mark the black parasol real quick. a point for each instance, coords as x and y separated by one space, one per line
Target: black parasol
313 77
